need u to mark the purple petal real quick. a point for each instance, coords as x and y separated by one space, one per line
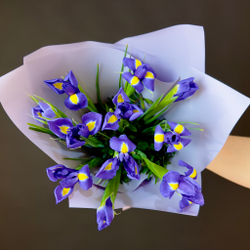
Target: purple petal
56 85
111 122
56 172
37 113
179 129
184 202
148 83
132 168
158 138
73 137
191 171
93 121
131 63
108 169
70 180
197 198
60 126
141 71
76 101
183 142
170 182
62 193
84 177
105 214
120 97
122 144
186 188
137 112
134 81
71 78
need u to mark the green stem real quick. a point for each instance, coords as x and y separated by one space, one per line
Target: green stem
98 88
120 79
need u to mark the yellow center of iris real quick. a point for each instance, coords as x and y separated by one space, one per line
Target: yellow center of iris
120 99
159 137
149 75
137 63
82 177
124 148
64 129
179 129
39 114
178 146
136 172
65 191
112 119
193 174
58 85
74 99
174 186
109 166
91 125
135 111
134 80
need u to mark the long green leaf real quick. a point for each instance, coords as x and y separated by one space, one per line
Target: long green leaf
120 79
98 88
91 105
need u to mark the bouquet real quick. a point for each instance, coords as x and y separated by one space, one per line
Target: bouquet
128 124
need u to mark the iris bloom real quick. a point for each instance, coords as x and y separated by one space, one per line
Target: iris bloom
42 110
69 177
108 169
69 85
124 146
64 128
185 89
173 139
111 120
186 186
143 74
105 214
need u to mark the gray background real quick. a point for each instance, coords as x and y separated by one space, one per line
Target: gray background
29 217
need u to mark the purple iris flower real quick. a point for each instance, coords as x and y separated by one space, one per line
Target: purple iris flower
186 186
69 177
108 169
124 146
111 120
74 134
105 214
93 122
173 139
69 85
120 97
143 74
185 89
42 110
60 126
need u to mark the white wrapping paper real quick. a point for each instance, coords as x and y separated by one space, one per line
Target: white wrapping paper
174 52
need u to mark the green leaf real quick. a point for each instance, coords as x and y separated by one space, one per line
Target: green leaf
120 79
156 116
156 169
34 99
40 129
129 90
98 88
148 101
93 142
132 127
57 111
91 105
142 103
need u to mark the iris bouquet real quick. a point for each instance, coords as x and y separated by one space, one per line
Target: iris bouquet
125 123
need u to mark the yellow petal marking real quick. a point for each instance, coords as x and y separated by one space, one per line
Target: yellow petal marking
65 191
190 202
109 166
91 125
179 129
159 137
112 119
193 174
104 222
149 75
64 129
135 111
82 177
74 99
137 63
174 186
120 99
136 172
58 85
178 146
124 148
39 114
134 80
